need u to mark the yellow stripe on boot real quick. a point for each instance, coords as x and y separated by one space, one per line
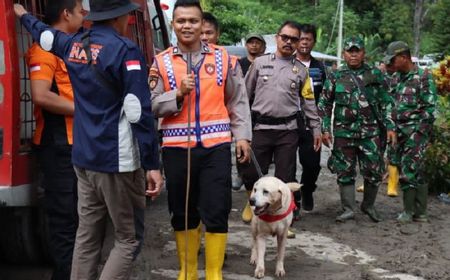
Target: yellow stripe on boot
215 244
392 187
192 253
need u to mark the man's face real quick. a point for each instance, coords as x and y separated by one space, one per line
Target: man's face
187 24
399 63
75 17
209 33
255 47
354 57
306 43
287 40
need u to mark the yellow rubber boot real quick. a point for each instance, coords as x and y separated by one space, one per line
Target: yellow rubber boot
247 213
392 187
192 253
215 244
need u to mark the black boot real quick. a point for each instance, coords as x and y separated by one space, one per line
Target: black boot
367 206
307 200
348 203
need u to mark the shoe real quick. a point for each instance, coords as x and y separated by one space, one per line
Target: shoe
291 233
348 203
404 218
247 213
420 218
236 184
307 201
215 245
347 215
372 213
296 213
392 187
360 188
192 253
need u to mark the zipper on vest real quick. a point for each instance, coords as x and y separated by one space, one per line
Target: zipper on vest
197 102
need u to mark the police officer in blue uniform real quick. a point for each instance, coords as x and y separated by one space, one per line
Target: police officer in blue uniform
308 149
114 135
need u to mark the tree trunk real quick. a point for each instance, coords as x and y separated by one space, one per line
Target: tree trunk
418 19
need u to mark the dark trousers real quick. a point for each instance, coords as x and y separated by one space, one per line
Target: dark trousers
210 187
309 159
60 184
279 145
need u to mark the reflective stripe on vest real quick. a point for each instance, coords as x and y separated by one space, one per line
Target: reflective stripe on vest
207 102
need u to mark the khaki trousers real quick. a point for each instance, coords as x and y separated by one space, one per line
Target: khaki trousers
122 197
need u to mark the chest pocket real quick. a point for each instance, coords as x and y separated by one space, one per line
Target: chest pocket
408 96
265 75
343 92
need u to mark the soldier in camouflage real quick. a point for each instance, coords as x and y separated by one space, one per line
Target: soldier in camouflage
362 106
415 101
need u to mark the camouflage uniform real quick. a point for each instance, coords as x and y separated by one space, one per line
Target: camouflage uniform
356 130
415 100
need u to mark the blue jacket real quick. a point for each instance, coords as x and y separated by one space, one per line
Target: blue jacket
113 130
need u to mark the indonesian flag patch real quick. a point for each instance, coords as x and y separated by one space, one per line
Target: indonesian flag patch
133 65
35 67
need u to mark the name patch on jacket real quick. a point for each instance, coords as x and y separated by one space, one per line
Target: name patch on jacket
78 55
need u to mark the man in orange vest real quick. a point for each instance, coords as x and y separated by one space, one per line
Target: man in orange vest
219 109
52 95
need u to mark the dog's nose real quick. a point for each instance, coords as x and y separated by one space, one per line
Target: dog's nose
252 201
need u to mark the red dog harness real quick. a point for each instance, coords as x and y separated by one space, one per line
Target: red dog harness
273 218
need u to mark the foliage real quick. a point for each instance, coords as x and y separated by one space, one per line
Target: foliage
437 158
379 21
441 75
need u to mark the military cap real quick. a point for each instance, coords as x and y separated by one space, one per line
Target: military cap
353 41
255 35
393 49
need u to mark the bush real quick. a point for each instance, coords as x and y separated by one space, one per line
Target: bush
437 161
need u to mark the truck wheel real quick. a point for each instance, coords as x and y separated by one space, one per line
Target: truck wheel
21 235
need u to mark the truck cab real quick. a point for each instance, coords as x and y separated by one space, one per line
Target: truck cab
23 235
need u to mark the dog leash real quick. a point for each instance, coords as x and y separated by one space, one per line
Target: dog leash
188 177
256 164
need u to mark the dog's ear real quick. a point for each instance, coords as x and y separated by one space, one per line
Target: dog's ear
294 186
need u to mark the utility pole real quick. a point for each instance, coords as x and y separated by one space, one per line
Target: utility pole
341 21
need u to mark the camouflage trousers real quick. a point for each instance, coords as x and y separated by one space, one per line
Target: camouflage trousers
347 152
408 154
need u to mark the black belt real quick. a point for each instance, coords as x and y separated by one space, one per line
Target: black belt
261 119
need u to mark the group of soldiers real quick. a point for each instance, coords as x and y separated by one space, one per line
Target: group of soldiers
273 105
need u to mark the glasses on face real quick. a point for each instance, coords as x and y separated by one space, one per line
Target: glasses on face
285 38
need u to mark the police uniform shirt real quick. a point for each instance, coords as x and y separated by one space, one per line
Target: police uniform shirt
279 85
113 131
165 103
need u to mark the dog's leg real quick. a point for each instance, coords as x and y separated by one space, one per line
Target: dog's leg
254 255
281 250
261 250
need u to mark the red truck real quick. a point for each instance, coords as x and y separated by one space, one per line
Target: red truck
23 235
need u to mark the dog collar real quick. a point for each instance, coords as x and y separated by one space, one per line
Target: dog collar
273 218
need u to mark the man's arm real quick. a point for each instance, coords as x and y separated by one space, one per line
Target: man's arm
310 110
325 107
43 96
47 37
166 103
250 80
238 108
42 71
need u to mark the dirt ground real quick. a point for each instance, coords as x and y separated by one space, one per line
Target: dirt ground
322 249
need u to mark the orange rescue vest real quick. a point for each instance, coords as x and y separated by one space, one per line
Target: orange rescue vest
210 122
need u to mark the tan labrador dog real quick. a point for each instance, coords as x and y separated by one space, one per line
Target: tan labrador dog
272 203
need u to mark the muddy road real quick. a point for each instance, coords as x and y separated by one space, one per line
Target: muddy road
322 249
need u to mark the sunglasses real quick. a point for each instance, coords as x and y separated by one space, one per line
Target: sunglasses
285 38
